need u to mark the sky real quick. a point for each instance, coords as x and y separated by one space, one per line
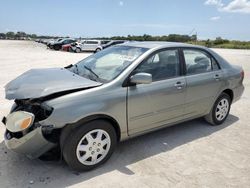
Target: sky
99 18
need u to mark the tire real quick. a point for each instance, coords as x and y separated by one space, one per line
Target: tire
80 146
97 50
57 47
78 50
220 110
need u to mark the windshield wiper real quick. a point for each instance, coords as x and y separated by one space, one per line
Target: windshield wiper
90 70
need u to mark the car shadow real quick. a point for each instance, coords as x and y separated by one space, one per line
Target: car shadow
129 152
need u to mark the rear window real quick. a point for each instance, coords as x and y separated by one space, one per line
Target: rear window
91 42
197 61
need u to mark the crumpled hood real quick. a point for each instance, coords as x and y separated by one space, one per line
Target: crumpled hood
37 83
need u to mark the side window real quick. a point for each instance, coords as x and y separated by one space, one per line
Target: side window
91 42
65 42
197 62
162 65
215 65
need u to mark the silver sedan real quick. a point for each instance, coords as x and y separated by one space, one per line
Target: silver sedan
124 91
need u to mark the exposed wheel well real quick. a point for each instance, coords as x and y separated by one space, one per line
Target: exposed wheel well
98 49
97 117
230 93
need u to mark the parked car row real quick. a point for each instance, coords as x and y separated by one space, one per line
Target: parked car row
95 45
73 45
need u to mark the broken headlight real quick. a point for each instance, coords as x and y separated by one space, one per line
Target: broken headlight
19 121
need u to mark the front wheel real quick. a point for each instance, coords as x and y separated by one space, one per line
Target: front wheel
78 50
220 110
57 47
89 145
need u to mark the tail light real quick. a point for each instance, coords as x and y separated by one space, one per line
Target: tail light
242 74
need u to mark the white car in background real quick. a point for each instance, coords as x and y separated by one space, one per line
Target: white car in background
77 47
90 45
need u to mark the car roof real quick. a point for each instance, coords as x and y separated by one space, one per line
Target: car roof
157 44
97 40
68 39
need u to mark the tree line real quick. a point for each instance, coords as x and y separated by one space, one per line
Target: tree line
20 35
216 43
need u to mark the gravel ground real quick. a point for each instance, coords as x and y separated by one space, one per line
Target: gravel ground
190 154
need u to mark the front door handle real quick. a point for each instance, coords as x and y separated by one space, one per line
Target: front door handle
179 85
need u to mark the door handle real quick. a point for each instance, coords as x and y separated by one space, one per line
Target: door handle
179 85
217 77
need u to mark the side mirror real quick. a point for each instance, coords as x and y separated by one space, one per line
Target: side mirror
141 78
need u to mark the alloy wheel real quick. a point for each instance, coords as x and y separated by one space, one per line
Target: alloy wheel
222 109
93 147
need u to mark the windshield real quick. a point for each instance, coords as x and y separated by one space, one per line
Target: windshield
107 64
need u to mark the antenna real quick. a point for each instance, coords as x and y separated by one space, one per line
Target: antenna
193 30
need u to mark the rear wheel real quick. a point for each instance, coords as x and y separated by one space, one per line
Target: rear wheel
97 50
89 145
220 110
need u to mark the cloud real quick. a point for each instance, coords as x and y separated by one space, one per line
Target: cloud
236 6
215 18
121 3
217 3
241 6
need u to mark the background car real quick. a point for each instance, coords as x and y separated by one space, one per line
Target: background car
68 47
77 47
58 45
52 41
92 45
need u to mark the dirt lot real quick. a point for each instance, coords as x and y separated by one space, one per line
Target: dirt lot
190 154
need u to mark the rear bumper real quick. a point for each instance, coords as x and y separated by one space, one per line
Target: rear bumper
238 91
32 144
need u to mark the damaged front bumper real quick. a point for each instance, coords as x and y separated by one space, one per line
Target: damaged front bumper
32 144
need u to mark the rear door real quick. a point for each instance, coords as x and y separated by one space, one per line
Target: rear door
204 80
161 102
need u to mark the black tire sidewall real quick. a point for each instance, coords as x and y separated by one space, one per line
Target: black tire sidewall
78 50
97 50
69 144
57 47
222 96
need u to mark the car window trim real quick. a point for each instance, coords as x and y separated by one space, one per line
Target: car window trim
181 65
200 50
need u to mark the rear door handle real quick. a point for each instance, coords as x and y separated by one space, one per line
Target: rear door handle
179 85
217 77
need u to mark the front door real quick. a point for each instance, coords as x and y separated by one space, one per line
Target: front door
161 102
90 45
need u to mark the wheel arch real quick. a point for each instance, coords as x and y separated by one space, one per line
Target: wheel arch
87 119
98 48
230 93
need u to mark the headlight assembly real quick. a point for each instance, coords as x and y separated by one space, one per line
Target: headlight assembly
19 121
